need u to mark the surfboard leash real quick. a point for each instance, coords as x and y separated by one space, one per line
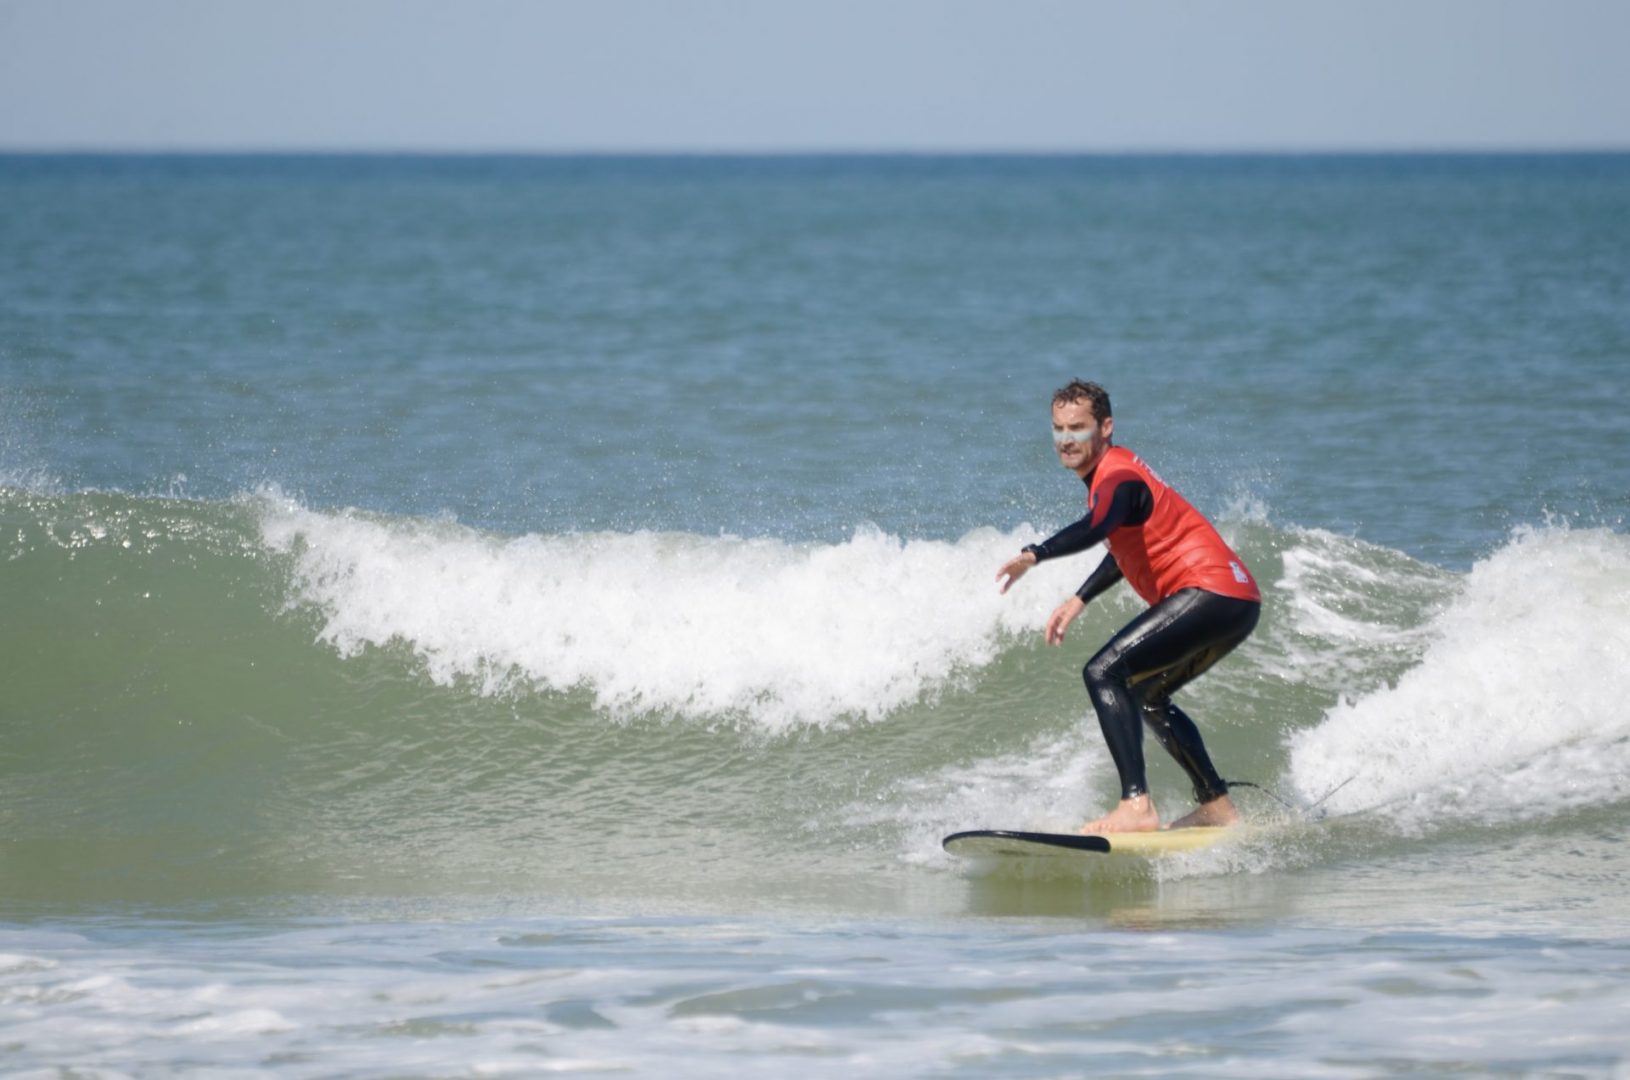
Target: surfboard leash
1303 812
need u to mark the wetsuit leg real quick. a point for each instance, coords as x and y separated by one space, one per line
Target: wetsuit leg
1181 739
1131 680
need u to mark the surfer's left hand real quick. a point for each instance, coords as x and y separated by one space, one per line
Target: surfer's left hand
1062 617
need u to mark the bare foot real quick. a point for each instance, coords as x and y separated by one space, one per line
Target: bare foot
1219 812
1130 815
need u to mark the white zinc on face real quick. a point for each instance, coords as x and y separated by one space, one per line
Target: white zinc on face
1079 437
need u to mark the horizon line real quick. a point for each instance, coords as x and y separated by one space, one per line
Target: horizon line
1515 150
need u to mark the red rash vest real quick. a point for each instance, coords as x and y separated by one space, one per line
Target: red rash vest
1176 548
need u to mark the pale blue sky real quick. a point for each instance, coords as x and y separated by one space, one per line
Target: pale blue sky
768 75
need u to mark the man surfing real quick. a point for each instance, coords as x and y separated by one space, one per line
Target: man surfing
1202 603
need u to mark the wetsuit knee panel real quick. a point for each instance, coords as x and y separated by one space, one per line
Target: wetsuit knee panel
1105 667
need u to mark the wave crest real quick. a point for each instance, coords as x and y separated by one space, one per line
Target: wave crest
647 622
1516 707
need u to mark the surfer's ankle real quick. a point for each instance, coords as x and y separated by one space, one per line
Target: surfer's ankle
1215 813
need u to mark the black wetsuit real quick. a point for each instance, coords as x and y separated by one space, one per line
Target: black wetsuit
1132 678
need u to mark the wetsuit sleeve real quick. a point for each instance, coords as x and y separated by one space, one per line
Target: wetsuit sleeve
1127 501
1107 574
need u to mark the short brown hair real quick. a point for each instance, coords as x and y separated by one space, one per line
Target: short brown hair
1090 392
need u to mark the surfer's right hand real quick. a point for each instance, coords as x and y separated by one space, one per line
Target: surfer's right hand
1014 569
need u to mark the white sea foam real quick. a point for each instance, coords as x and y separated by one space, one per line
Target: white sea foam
779 632
1346 613
1044 788
686 998
1517 708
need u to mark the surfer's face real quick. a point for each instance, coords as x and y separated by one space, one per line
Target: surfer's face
1078 436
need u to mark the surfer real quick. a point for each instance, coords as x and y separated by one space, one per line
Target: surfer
1202 603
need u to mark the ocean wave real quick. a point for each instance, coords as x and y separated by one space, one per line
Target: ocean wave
1515 709
257 691
776 632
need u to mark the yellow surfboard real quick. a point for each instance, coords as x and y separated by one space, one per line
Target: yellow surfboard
981 843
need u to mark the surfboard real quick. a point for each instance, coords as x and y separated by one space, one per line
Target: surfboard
984 843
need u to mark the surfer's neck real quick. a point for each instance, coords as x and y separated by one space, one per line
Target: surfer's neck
1086 478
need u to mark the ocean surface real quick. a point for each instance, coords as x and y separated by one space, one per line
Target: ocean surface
505 616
